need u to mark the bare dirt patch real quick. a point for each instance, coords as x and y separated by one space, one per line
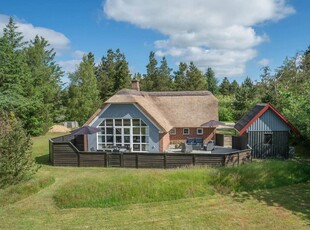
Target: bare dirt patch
59 129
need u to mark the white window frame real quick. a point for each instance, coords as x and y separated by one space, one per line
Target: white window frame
187 131
173 131
122 135
201 131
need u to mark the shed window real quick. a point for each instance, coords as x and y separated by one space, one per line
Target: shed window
186 131
268 139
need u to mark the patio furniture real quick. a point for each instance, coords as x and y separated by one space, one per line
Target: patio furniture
209 146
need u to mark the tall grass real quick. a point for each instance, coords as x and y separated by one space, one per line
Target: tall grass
140 187
260 175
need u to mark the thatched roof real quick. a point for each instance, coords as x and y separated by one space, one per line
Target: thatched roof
170 109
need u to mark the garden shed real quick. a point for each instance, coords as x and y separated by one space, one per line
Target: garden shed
266 131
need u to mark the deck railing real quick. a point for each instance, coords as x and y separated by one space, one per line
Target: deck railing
66 154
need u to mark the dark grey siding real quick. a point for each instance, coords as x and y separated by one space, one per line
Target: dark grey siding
269 121
278 148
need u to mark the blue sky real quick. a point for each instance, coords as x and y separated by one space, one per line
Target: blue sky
235 39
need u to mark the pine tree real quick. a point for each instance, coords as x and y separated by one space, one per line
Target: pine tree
195 78
147 83
83 91
212 81
245 98
44 88
112 73
163 82
224 87
233 87
180 81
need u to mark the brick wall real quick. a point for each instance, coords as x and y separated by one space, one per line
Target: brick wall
164 141
208 134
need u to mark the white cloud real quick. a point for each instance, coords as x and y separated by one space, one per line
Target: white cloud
69 66
264 62
212 33
78 54
56 39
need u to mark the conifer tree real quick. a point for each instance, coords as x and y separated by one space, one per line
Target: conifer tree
180 81
195 78
212 81
83 91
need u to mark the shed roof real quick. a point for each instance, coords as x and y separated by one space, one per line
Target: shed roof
169 109
256 112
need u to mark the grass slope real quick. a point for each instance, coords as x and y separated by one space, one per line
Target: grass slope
194 206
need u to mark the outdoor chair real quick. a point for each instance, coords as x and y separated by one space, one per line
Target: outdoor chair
209 146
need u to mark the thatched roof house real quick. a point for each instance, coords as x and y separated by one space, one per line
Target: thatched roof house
161 112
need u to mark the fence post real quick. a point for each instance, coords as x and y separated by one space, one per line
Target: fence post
122 160
137 161
165 160
194 159
106 160
238 158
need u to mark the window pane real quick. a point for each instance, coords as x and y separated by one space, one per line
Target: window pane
127 139
136 139
109 130
102 123
185 131
126 122
118 131
126 130
136 122
118 139
102 130
145 139
144 130
142 123
101 138
267 138
136 147
136 130
110 139
109 122
144 147
118 122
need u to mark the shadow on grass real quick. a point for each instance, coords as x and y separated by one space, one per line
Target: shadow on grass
295 198
43 160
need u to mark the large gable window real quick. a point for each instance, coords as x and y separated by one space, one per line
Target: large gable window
131 133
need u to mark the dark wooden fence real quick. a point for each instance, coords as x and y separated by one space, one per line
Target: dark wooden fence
66 154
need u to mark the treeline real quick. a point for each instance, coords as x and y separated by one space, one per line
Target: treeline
31 87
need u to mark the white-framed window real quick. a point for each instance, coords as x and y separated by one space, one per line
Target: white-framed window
131 133
199 131
186 131
173 131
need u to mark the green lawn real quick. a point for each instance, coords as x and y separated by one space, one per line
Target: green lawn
188 198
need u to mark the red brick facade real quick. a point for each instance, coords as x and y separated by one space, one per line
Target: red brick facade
179 137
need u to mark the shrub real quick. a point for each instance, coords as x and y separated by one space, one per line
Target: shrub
16 162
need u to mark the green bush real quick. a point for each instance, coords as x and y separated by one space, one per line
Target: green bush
16 162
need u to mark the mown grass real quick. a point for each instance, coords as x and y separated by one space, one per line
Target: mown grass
260 175
25 189
134 187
